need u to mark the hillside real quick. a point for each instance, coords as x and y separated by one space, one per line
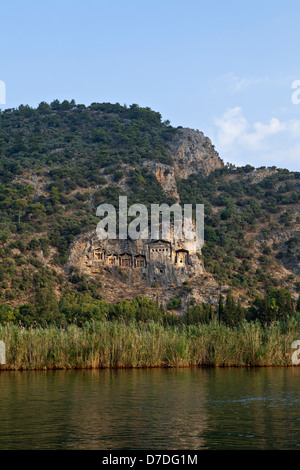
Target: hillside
60 161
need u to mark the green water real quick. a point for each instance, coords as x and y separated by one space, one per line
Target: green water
151 409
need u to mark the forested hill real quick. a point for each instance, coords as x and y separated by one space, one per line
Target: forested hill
60 160
79 138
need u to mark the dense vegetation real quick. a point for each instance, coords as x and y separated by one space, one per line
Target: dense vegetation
241 212
60 160
101 135
114 343
81 308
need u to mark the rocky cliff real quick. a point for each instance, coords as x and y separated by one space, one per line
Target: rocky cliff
191 153
156 268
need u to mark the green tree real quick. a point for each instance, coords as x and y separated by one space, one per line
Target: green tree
220 308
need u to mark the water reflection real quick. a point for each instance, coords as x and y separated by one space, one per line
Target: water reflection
150 409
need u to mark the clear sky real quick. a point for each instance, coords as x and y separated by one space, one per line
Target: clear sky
223 67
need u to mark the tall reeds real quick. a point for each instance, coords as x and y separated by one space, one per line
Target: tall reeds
118 344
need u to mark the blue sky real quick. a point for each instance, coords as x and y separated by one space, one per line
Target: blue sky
225 68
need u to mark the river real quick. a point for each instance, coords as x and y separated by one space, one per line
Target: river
154 409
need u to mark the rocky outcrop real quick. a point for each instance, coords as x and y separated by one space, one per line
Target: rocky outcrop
161 262
192 152
165 174
159 269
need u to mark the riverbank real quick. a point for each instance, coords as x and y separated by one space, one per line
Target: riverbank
117 344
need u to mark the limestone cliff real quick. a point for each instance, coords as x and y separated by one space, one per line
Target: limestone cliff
192 153
159 269
164 262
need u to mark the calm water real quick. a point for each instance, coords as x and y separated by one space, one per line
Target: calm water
151 409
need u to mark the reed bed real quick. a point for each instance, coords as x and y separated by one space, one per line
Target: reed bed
118 344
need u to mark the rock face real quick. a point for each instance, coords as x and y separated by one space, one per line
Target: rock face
165 174
192 152
161 262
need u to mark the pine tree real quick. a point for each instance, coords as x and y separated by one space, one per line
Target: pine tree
228 316
240 313
221 308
